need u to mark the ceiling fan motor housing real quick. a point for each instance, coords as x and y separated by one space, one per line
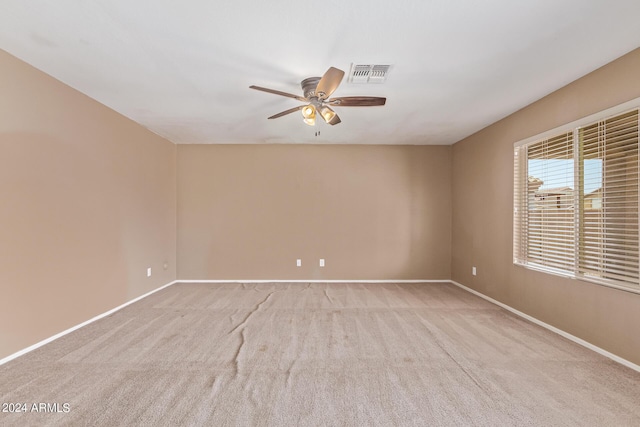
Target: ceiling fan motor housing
309 87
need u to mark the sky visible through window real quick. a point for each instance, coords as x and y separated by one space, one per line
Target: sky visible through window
546 170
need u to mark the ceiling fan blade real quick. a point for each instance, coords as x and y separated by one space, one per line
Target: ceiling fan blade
357 101
329 82
284 113
277 92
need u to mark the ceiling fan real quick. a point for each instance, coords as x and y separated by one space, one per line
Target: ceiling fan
316 92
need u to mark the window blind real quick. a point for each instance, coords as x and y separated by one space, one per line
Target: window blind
547 203
608 244
576 202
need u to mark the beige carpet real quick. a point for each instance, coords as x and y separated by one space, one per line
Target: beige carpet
317 354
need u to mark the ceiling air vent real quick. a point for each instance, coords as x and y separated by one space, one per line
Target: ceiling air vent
368 73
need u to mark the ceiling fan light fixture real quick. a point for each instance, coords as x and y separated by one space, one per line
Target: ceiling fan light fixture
327 113
309 112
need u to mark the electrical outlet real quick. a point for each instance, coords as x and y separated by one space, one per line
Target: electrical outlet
298 263
149 272
473 271
321 262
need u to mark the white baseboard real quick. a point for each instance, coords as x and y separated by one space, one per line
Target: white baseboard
65 332
560 332
314 281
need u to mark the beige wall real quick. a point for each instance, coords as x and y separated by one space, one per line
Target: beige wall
483 209
87 203
372 212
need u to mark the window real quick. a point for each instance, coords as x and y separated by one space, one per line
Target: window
576 201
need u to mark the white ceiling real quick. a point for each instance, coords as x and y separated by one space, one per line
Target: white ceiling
183 68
